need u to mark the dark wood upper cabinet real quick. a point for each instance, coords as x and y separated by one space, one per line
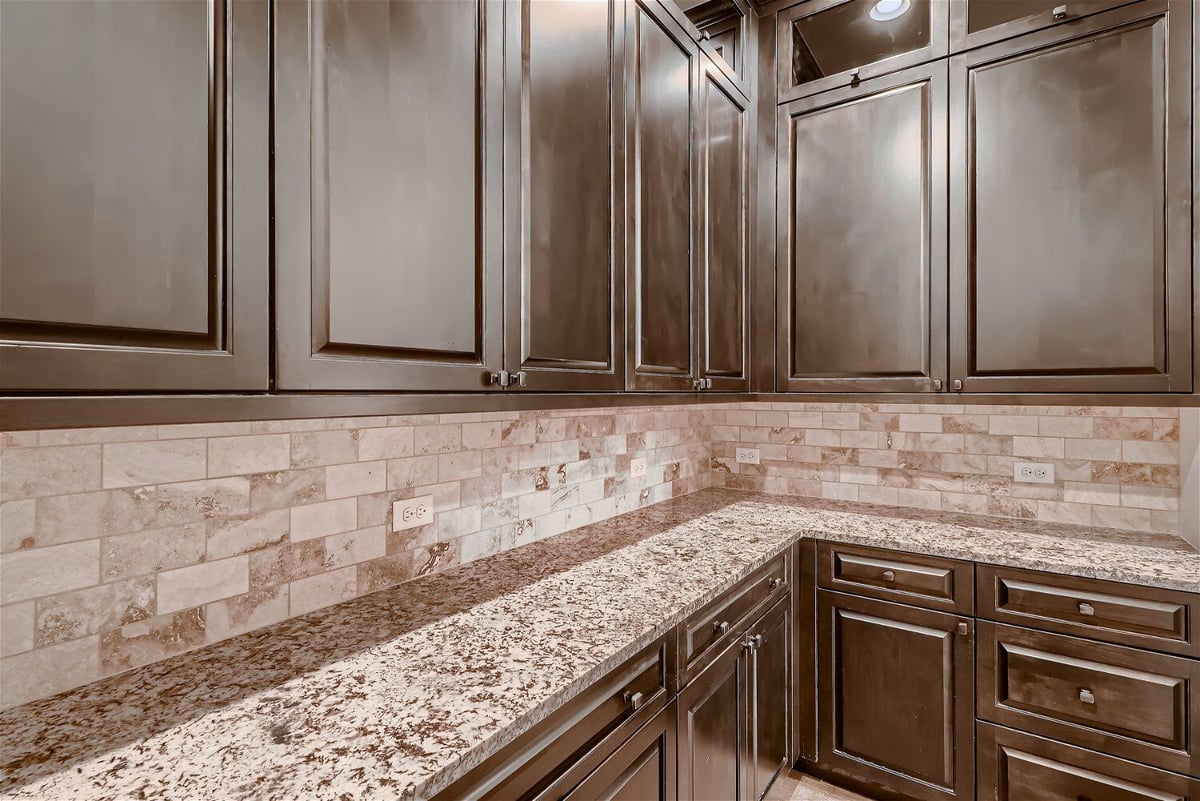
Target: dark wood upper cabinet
1070 225
564 205
978 22
862 236
826 44
723 28
723 270
134 205
388 191
662 73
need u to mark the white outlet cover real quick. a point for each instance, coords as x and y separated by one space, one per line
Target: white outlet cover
412 512
637 467
747 455
1033 472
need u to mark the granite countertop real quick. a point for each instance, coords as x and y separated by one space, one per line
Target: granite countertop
396 694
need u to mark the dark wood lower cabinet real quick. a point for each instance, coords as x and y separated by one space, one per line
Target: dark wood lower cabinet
643 769
770 678
714 730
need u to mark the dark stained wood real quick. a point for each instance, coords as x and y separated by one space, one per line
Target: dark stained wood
725 31
804 713
974 23
770 656
928 581
643 769
895 690
1014 766
129 133
861 236
662 73
388 178
714 730
723 274
1125 614
1084 289
564 198
762 212
1116 700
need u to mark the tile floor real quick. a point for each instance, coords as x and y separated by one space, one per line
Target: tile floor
794 786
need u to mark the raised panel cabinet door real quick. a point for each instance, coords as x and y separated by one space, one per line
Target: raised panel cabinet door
723 279
974 23
134 207
662 73
714 731
1070 225
643 769
862 236
565 282
895 694
388 192
771 696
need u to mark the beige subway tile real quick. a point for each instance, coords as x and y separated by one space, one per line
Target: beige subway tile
797 420
439 439
1074 427
1166 429
288 562
446 494
546 429
875 458
47 571
1122 517
518 432
1039 447
839 420
130 464
1150 498
352 547
919 498
931 423
43 672
321 519
71 615
17 524
411 472
186 587
885 496
286 488
360 478
1108 450
191 430
94 436
942 443
37 472
20 439
1123 428
1150 452
965 502
1165 522
1012 425
16 628
326 589
1063 512
151 640
854 474
487 435
320 448
772 419
1149 411
458 522
988 444
1099 494
965 423
858 439
151 551
257 453
286 426
389 443
232 536
376 421
839 492
457 466
242 613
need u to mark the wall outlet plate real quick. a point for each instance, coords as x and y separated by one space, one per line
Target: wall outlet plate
637 467
1033 472
412 512
747 455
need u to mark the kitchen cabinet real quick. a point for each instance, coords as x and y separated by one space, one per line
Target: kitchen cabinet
134 144
388 190
861 294
979 22
1070 243
770 654
564 195
895 696
643 769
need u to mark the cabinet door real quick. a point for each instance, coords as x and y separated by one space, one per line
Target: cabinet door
771 696
565 282
862 237
714 731
643 769
895 696
660 89
1070 231
388 194
978 22
724 247
134 146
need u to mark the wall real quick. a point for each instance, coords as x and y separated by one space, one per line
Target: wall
123 546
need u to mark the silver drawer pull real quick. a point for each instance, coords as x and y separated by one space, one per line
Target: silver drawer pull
889 575
776 583
1086 608
1060 12
634 700
721 627
1086 696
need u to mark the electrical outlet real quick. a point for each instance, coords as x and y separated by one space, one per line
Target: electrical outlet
412 512
1033 472
637 467
747 455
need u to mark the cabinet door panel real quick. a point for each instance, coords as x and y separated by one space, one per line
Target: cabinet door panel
862 200
896 696
387 194
659 85
978 22
129 132
643 769
772 695
724 189
1070 229
565 260
714 732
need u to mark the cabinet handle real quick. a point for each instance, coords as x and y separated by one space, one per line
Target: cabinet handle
889 575
634 700
957 385
1086 609
855 80
775 583
1085 695
937 384
1060 12
519 377
698 384
720 628
752 642
964 629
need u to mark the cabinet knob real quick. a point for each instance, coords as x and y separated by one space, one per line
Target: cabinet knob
957 385
775 583
1085 695
889 575
721 627
752 643
1060 12
1086 609
937 384
854 78
964 629
520 377
634 700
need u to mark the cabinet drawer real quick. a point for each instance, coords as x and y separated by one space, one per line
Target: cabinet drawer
720 621
927 581
1117 700
581 735
1014 766
1145 617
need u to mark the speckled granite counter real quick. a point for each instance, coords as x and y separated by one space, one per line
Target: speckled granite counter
396 694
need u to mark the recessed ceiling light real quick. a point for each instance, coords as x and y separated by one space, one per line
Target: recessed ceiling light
885 10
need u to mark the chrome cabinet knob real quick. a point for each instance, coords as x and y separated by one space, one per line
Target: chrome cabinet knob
889 575
775 583
721 627
964 629
937 384
1086 609
1085 695
634 700
1060 12
958 385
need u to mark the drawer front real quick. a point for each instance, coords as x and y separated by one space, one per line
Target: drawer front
578 737
1014 766
1117 700
1145 617
927 581
707 631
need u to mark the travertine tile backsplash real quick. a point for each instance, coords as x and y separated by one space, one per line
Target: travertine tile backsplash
123 546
